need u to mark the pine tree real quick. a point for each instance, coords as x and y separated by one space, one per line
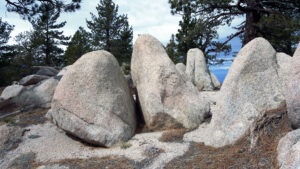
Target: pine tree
46 37
195 32
79 45
5 50
283 33
172 52
110 31
29 8
254 12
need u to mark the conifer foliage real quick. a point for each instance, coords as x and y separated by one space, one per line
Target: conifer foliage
79 45
29 8
111 31
275 20
46 36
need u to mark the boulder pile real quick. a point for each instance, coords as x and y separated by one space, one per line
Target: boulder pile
94 101
251 87
167 99
35 90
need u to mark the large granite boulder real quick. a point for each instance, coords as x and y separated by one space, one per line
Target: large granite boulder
39 95
32 79
167 99
293 92
197 71
289 150
93 102
251 87
11 91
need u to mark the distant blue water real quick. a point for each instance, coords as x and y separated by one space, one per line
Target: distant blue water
220 73
221 70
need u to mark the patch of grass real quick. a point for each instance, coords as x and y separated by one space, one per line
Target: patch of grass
175 135
269 129
9 120
33 136
126 145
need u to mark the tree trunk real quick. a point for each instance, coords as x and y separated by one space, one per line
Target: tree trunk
252 18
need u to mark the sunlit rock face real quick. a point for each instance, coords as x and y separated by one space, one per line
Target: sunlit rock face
251 87
167 98
93 102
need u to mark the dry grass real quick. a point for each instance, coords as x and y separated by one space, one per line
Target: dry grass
27 118
175 135
270 128
32 117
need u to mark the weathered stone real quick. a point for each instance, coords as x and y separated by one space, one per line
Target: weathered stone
167 99
4 134
215 81
181 68
197 71
11 91
39 95
32 79
284 68
93 102
45 70
251 87
289 150
10 137
293 91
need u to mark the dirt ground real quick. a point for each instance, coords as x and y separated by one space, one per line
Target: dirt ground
268 129
273 126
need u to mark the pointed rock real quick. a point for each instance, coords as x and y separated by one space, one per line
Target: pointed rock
251 87
167 99
197 71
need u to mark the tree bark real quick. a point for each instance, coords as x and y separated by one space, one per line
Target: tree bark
252 18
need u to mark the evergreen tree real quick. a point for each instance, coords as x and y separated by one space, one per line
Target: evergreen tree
253 10
110 31
5 50
25 50
46 37
6 53
283 33
28 8
195 32
79 45
172 52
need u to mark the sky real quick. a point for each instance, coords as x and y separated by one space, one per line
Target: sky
146 16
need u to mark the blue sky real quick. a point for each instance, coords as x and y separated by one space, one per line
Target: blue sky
146 16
